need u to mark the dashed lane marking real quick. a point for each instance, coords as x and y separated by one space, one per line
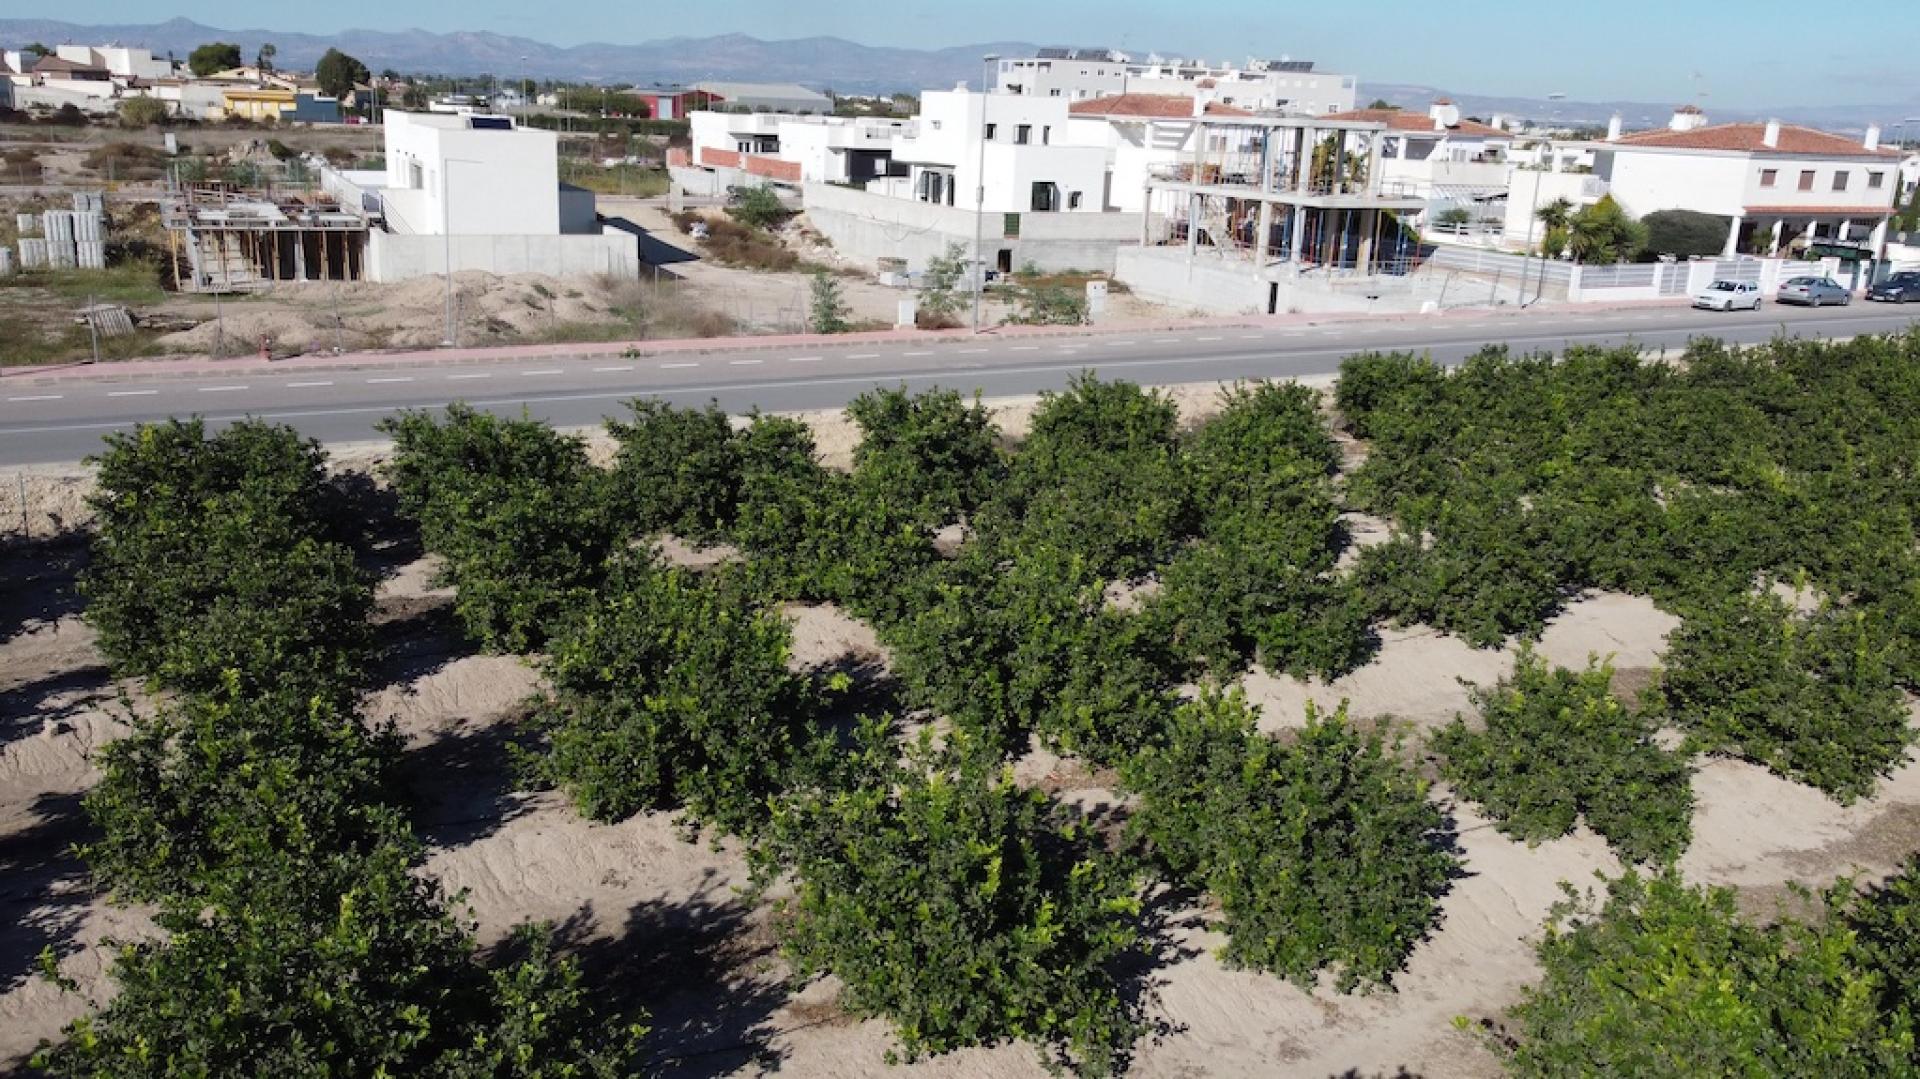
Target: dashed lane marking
744 363
604 370
220 389
671 366
372 381
306 385
131 393
542 371
38 397
458 378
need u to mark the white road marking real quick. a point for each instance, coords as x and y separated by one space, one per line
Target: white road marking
542 371
921 353
864 356
603 370
371 381
131 393
38 397
306 385
1252 336
1206 339
1024 348
743 363
1127 342
803 359
671 366
970 351
220 389
457 378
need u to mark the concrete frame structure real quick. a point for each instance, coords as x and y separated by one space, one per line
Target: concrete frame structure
1281 190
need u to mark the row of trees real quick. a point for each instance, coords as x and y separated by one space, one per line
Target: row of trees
257 812
1517 482
671 691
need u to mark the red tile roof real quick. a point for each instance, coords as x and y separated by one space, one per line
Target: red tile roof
1156 106
1402 120
1749 137
54 65
1820 211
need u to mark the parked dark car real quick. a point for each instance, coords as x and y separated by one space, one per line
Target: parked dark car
1814 292
1900 288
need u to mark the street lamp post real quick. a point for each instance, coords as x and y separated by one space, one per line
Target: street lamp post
980 193
446 235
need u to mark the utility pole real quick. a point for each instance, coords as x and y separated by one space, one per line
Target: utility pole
980 195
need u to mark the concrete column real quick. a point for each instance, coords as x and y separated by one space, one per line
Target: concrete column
300 257
1264 230
1773 245
1732 247
1193 225
1846 229
1369 220
1294 234
1373 163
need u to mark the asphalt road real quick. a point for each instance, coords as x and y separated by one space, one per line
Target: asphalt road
63 422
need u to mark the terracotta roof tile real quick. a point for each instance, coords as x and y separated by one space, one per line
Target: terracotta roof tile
1402 120
1155 106
1749 137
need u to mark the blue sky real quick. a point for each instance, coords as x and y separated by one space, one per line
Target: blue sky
1752 53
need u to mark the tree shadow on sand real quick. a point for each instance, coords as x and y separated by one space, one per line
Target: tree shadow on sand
44 892
702 968
39 581
464 786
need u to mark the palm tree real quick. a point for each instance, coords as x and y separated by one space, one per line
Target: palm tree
1555 214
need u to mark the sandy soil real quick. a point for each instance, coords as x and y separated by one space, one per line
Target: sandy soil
659 920
769 302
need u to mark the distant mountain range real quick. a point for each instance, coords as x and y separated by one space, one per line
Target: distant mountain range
819 62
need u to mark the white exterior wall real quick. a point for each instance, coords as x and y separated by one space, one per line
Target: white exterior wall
499 183
392 258
1727 183
1643 183
1310 92
806 145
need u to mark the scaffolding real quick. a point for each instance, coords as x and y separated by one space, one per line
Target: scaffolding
224 239
1292 193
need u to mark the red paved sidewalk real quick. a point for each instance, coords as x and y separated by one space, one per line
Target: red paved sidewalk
207 365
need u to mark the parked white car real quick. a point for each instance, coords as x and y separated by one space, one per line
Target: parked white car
1728 296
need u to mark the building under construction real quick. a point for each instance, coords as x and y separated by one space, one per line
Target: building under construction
1257 207
226 239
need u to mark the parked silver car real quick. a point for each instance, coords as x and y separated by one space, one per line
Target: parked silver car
1723 295
1814 292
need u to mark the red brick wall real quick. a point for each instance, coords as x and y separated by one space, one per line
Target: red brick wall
719 158
774 169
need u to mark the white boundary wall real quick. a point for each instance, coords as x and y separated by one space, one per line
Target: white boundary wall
393 257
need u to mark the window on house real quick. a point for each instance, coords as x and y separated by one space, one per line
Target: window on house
1023 134
991 128
1840 180
1046 135
1768 176
1073 201
1806 180
1875 179
1046 197
1055 92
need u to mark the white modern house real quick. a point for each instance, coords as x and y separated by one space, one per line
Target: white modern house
736 148
1285 85
1778 185
119 62
475 192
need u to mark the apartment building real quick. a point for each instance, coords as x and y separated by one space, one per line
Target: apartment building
1286 85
